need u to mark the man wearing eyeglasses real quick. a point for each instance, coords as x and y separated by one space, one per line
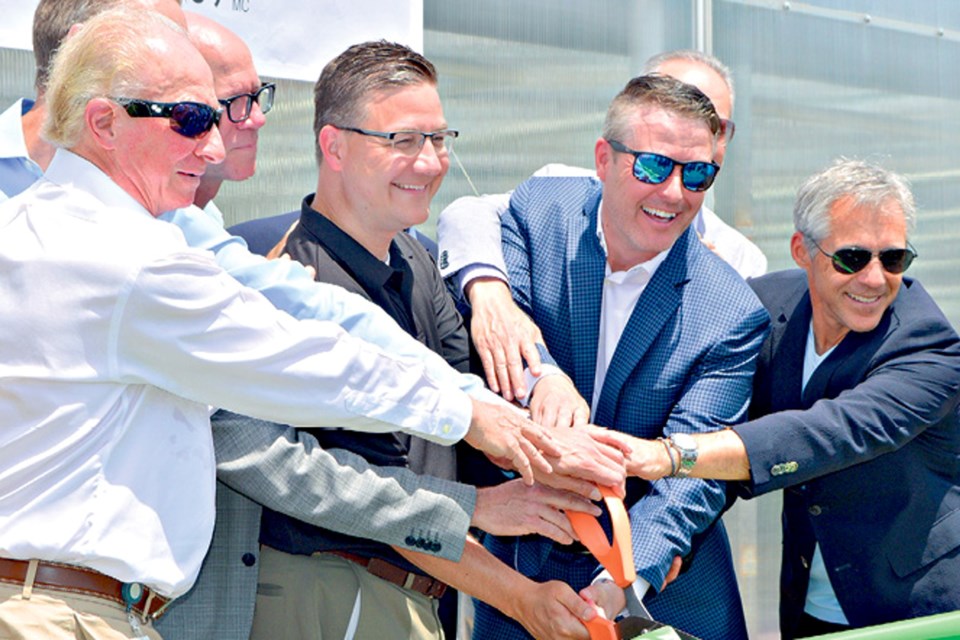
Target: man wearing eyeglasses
382 147
657 332
854 415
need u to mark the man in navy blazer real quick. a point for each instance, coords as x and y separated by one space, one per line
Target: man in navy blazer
657 332
854 415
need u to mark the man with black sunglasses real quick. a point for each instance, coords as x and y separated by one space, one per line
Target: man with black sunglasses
657 332
854 415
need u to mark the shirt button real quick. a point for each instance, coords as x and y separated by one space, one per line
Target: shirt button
815 510
248 559
446 428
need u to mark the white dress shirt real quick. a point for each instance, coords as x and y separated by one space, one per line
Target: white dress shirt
116 338
621 290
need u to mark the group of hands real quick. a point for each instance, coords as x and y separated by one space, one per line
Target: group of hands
561 458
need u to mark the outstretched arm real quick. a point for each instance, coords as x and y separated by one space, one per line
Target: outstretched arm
547 610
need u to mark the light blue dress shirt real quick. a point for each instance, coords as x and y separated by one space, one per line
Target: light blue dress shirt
17 170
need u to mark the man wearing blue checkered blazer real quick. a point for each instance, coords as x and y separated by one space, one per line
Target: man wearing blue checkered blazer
658 331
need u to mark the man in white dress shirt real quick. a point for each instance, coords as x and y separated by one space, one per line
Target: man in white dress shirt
118 337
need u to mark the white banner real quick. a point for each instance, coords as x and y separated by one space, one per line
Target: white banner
289 38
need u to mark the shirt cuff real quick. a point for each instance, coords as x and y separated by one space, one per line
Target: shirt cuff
474 271
639 587
531 380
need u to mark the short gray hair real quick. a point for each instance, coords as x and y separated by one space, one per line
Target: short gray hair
667 93
866 183
654 63
348 81
105 58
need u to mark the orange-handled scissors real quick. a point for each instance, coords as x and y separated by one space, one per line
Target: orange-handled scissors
616 557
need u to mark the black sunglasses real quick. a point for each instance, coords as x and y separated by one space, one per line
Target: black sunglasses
238 107
653 168
849 260
189 119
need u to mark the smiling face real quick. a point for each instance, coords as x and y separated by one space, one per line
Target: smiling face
385 190
852 302
641 220
149 160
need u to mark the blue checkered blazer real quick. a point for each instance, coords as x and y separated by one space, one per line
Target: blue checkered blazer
685 363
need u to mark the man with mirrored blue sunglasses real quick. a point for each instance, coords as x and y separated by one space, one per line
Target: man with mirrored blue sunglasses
657 332
854 415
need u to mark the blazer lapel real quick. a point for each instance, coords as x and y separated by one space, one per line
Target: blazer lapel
658 302
789 340
585 291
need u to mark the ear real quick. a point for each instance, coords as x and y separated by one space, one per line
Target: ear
602 156
332 146
100 117
798 250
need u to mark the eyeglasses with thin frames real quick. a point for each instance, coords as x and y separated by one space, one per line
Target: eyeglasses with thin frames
409 143
653 168
850 260
238 107
189 119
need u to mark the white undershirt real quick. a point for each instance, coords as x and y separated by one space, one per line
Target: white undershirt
821 602
621 290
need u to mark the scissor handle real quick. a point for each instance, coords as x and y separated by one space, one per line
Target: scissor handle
602 629
617 558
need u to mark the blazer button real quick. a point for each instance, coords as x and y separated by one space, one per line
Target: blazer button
815 510
435 546
411 541
248 559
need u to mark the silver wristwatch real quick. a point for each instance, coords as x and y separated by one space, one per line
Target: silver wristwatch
686 446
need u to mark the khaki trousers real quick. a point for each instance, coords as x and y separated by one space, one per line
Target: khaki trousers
325 597
47 614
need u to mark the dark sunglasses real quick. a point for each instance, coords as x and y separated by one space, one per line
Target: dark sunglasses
189 119
653 168
849 260
238 107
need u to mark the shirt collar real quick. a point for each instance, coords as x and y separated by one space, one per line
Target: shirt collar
370 272
68 168
649 267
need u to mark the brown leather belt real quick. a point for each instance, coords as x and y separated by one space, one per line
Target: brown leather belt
73 579
430 587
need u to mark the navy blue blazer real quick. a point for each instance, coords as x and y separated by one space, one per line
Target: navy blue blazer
684 363
869 455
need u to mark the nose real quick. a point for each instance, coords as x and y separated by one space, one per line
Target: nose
429 161
872 275
256 119
210 147
672 187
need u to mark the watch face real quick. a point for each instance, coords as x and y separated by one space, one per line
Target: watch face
684 441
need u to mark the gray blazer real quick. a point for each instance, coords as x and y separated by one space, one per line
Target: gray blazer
266 463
